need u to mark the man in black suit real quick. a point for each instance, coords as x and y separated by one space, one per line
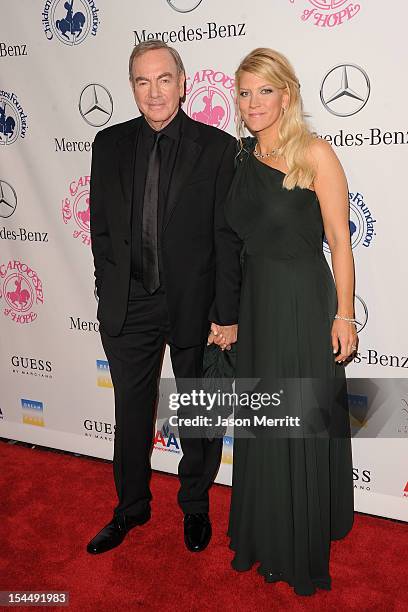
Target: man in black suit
167 270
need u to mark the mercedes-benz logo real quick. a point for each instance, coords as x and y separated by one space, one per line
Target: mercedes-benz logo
184 6
361 313
345 90
8 199
95 104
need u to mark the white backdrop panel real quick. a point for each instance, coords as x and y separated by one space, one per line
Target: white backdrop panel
55 384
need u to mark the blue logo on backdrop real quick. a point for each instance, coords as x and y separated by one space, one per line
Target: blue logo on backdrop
28 404
358 406
71 22
33 412
361 223
13 120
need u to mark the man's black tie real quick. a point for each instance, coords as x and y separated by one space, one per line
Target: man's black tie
151 279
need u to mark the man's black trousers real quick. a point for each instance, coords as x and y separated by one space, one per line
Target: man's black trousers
135 359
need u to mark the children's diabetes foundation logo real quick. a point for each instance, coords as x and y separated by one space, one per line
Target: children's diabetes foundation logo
13 120
21 291
361 223
75 209
327 13
70 22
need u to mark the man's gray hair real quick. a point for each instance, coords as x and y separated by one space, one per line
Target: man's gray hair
151 45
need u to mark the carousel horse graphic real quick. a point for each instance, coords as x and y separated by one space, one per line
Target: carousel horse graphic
72 23
7 124
19 297
328 4
211 115
85 215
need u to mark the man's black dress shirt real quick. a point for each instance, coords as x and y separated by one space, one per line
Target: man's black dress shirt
168 145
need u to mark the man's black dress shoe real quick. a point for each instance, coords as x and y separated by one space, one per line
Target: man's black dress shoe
114 533
197 531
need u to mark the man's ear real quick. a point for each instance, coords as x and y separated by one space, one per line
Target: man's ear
182 87
132 87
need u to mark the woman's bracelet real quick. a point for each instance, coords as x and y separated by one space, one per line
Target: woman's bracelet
337 316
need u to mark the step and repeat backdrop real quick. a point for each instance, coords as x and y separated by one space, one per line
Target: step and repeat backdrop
64 77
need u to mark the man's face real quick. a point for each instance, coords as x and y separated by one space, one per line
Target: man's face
157 86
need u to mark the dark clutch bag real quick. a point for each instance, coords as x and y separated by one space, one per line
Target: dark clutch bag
218 377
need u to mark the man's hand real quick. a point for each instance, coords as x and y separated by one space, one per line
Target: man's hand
223 335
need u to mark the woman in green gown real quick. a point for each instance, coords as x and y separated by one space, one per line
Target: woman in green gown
292 494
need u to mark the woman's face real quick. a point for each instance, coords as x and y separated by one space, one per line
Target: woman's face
260 103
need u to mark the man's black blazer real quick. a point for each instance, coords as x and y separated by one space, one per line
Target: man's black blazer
200 252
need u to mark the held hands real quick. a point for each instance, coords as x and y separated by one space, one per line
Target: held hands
344 339
223 335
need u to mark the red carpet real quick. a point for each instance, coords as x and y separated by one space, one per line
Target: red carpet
52 504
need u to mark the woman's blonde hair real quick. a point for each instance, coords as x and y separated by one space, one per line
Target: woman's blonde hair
294 135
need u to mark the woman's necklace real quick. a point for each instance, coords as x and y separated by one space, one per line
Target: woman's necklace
273 153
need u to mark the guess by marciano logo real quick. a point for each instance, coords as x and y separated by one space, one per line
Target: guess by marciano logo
210 98
31 366
75 209
363 479
99 430
21 289
327 13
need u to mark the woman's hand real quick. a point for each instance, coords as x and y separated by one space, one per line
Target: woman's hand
344 338
223 335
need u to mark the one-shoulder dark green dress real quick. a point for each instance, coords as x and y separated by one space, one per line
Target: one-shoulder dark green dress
290 497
